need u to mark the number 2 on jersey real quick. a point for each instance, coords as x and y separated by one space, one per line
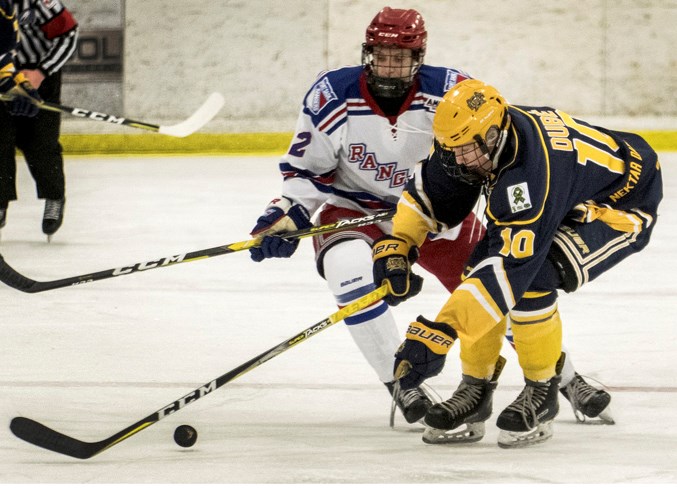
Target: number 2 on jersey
298 149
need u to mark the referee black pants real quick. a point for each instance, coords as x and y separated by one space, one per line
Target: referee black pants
38 139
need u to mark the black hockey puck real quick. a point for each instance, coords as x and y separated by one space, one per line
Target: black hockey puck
185 435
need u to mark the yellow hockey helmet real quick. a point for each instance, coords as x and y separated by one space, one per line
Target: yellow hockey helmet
467 112
469 129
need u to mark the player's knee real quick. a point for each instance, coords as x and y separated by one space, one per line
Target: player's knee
347 267
538 344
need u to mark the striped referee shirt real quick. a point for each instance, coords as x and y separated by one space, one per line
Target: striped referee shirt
48 35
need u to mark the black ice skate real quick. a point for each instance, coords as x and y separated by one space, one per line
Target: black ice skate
589 403
469 406
528 420
413 403
53 216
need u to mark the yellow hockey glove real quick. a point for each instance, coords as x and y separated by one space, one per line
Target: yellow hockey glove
423 353
392 266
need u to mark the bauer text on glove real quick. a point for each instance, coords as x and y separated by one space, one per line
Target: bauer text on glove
280 216
392 258
423 352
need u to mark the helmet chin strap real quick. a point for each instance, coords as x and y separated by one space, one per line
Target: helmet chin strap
498 149
501 140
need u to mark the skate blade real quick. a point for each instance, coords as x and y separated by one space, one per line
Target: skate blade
473 432
515 440
393 407
416 426
604 418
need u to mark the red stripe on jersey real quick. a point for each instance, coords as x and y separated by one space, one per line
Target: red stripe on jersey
59 25
334 117
324 180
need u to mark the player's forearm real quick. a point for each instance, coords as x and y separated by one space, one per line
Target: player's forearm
411 222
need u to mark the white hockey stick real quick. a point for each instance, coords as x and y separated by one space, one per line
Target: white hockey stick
195 122
199 119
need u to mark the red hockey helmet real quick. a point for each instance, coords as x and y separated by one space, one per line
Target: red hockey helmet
396 29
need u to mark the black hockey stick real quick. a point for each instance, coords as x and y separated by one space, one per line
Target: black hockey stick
200 117
47 438
13 278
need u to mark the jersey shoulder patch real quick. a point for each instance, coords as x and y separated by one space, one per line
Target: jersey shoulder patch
320 95
436 80
331 89
518 197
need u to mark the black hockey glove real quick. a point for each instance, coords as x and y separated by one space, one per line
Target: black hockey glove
392 266
25 99
280 216
423 353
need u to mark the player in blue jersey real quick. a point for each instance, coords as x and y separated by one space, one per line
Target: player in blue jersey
8 41
359 134
13 82
566 201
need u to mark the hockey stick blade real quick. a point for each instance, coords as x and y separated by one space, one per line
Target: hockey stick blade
42 436
202 115
46 438
10 277
196 121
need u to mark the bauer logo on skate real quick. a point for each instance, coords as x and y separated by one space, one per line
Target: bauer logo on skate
149 265
191 397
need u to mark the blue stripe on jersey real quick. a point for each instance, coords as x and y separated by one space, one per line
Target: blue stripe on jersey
323 180
323 184
336 125
367 316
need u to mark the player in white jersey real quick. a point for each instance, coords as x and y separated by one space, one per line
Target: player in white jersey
360 133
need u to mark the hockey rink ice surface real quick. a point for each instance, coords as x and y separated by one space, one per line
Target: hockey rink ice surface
92 359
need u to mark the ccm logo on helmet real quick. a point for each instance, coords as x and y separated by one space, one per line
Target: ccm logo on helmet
428 335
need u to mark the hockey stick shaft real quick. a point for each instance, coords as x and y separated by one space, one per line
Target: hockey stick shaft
42 436
13 278
199 118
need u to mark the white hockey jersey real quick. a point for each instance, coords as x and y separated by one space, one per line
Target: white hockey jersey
346 152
